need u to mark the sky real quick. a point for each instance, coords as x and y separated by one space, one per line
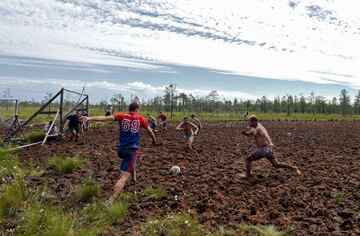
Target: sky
242 49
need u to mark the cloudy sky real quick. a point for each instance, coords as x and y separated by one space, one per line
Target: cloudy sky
242 49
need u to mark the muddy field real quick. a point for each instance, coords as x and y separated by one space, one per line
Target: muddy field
328 153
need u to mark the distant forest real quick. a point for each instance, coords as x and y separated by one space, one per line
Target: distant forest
173 101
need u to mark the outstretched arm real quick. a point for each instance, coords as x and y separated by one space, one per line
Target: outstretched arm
97 118
179 127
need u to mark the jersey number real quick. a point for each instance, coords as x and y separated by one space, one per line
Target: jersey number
130 125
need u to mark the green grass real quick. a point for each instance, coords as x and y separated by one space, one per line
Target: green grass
66 164
117 212
34 136
12 196
46 221
221 232
9 164
92 220
156 193
173 225
339 197
261 230
88 191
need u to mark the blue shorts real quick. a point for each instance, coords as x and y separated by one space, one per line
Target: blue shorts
165 123
189 138
129 157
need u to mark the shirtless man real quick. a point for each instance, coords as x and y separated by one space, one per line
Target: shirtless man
152 122
189 133
264 143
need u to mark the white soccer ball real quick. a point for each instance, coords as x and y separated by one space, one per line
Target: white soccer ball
289 134
175 170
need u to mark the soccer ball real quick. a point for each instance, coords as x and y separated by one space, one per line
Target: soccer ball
175 170
289 134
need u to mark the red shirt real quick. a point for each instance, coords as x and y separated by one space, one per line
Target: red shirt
162 117
130 124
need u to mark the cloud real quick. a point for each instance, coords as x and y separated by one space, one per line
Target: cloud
107 89
260 38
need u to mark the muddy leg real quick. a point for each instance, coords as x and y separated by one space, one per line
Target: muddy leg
275 163
119 186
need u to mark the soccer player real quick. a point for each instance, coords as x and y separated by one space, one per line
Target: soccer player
164 120
265 148
152 122
74 125
196 121
189 133
130 124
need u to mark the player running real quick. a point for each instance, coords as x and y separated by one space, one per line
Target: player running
264 143
188 129
196 121
128 149
152 122
164 120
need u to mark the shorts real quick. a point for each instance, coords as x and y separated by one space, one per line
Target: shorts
129 158
165 123
261 152
75 128
189 138
152 125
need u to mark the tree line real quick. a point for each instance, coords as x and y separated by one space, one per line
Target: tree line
174 101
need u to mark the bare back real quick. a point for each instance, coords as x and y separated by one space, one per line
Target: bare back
261 136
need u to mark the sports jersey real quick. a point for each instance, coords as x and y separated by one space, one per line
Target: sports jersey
130 124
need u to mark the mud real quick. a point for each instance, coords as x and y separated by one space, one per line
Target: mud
209 186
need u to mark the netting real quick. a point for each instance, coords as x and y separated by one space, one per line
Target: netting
8 110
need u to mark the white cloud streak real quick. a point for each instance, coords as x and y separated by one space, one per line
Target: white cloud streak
136 88
273 39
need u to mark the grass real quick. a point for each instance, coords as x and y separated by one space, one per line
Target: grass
117 212
12 197
66 164
34 136
9 164
156 193
88 191
173 225
339 197
46 220
262 230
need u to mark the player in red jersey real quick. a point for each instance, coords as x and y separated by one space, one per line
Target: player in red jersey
128 149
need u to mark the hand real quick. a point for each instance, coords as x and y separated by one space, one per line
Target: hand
271 145
83 119
243 132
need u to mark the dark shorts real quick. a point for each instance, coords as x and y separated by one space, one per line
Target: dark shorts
262 152
129 157
165 123
152 125
75 128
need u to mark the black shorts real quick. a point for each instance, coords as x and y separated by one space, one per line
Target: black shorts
75 128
